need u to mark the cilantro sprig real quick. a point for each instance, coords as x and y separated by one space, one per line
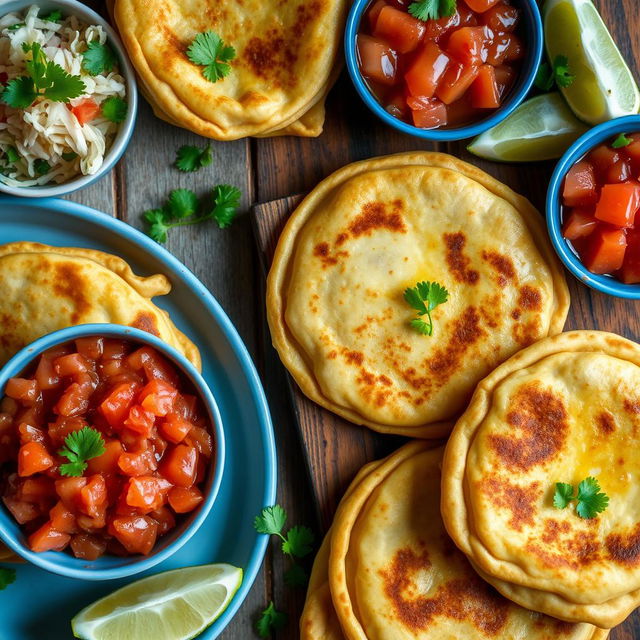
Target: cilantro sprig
7 577
114 109
621 141
80 446
559 73
432 9
45 79
183 208
209 51
590 501
270 620
53 16
98 58
190 158
424 298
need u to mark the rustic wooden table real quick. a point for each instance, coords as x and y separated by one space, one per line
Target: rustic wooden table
228 263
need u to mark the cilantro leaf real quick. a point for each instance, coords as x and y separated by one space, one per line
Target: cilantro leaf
16 26
69 156
424 298
298 541
12 155
591 501
80 446
209 51
621 141
19 93
270 620
157 225
563 495
271 520
114 109
98 58
61 86
182 203
227 201
53 16
41 166
432 9
296 576
191 158
544 77
558 73
7 577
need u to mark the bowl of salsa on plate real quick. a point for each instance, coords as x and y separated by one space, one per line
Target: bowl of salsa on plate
111 451
593 207
443 70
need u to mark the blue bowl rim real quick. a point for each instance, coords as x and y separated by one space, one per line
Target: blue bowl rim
63 564
123 135
527 78
577 150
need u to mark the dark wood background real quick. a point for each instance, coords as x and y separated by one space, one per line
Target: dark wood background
230 265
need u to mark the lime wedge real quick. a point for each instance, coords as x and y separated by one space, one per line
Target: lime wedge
541 128
175 605
603 87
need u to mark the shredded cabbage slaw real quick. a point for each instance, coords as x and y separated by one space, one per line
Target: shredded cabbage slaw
46 130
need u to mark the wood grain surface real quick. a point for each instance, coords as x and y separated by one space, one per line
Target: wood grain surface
226 261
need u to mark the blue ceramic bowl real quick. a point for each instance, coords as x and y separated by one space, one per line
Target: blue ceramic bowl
532 36
125 130
110 567
602 133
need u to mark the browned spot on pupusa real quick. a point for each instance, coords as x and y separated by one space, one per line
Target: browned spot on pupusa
520 501
467 599
624 548
606 423
69 282
505 272
576 552
530 298
539 425
323 251
457 261
146 322
554 529
377 216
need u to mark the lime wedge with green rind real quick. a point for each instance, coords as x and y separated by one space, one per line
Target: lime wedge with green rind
541 128
604 87
174 605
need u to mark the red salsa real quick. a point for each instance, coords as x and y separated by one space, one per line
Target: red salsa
154 431
601 198
449 71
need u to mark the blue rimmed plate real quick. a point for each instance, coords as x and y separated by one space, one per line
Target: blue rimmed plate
39 600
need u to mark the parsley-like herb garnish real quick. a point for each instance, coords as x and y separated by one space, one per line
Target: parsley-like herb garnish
559 74
114 109
7 577
590 500
432 9
270 620
41 166
12 155
98 58
46 79
191 158
53 16
80 446
209 51
621 141
424 298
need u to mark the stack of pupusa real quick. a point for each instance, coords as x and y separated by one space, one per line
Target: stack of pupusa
388 571
285 63
562 410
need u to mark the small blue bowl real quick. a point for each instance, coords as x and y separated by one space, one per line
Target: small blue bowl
532 37
110 567
604 132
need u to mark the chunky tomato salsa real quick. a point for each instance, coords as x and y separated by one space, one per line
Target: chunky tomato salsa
601 199
102 447
446 71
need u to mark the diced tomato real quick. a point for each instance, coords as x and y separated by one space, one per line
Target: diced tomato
174 428
632 151
504 78
618 204
201 439
179 465
485 93
74 401
466 45
427 113
69 491
515 48
62 519
63 426
396 104
137 464
46 376
38 490
580 185
426 70
31 434
9 405
378 61
457 79
108 461
630 272
86 110
480 6
605 251
436 29
147 493
88 547
603 157
71 364
579 223
116 405
140 420
33 457
91 347
46 538
113 349
24 391
155 366
374 12
500 18
92 524
400 30
183 499
497 49
22 511
165 519
618 172
93 496
137 534
158 397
